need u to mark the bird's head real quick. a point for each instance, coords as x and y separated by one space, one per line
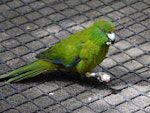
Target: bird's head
108 28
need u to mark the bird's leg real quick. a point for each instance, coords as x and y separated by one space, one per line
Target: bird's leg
101 76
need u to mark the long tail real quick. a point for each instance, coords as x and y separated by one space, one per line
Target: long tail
29 71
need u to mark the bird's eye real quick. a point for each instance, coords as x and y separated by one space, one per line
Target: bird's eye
102 30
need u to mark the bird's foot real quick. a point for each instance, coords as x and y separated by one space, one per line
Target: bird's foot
101 76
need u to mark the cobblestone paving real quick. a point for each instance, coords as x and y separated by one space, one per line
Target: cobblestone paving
29 26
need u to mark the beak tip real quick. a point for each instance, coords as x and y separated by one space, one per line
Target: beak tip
113 41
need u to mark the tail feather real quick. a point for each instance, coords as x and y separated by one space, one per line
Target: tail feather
28 71
17 71
25 75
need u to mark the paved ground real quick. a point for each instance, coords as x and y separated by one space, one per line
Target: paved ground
29 26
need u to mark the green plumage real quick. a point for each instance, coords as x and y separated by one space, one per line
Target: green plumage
87 46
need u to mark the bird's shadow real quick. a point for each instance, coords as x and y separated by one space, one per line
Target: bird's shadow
116 85
62 76
74 77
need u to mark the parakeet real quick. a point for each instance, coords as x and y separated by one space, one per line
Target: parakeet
80 52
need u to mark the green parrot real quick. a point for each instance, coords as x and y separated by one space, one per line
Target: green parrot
80 52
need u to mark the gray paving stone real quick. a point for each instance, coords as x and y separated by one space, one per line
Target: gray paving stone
83 110
99 105
7 55
145 46
6 25
4 36
24 9
37 5
35 45
56 109
11 111
15 4
27 27
15 63
60 95
32 92
27 107
69 12
136 39
144 101
94 3
140 5
127 107
4 8
145 59
33 15
39 33
43 101
10 14
114 99
87 97
71 103
4 105
111 111
16 99
75 88
48 87
56 17
133 93
15 31
6 90
133 64
82 8
19 20
118 71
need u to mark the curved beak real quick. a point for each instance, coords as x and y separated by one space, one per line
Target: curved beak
111 37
